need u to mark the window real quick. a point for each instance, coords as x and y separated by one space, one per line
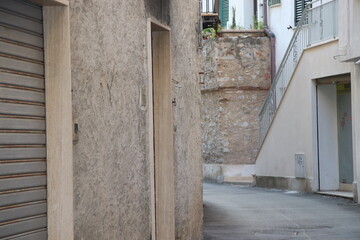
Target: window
273 2
299 8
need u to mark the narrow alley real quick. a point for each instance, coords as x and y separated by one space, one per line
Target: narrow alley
233 212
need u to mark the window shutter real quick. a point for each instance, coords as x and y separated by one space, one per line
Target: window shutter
273 2
224 12
299 8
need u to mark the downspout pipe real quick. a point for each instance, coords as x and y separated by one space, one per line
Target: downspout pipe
272 37
217 6
265 4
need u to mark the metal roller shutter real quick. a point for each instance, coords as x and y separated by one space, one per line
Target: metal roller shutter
23 206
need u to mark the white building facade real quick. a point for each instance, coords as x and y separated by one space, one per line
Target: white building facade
283 16
244 14
310 121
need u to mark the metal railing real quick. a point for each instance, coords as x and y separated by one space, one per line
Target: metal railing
209 6
318 23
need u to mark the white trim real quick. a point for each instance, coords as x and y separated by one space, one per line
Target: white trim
151 132
58 120
51 2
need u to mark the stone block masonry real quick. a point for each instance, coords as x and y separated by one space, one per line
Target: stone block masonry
237 72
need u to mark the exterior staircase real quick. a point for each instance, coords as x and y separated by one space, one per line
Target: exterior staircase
318 24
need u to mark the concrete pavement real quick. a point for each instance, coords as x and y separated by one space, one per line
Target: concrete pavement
233 212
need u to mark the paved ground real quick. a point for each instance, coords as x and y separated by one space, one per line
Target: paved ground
246 213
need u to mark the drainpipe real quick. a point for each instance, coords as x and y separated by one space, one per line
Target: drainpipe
271 35
217 6
265 4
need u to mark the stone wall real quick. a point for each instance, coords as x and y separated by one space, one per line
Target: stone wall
234 85
109 77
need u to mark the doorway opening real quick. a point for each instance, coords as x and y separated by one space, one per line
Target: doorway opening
162 159
335 159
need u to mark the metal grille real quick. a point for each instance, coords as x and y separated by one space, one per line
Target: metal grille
23 206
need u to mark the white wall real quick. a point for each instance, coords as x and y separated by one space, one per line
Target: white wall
238 14
298 108
293 129
349 30
328 137
260 11
279 18
244 14
355 94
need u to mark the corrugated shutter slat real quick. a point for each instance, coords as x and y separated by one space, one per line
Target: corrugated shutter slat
22 226
18 21
8 32
35 235
23 180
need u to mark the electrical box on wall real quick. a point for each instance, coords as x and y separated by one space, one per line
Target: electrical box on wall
300 171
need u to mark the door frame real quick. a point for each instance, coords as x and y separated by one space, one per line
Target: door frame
160 120
327 137
333 80
59 130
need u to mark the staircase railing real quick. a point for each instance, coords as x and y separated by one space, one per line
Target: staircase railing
319 23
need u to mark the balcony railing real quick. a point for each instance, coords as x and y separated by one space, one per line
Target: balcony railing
209 6
319 23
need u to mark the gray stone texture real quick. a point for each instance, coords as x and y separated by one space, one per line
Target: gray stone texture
109 75
234 85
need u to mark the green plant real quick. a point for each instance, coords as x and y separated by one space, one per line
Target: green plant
257 24
233 25
261 25
209 33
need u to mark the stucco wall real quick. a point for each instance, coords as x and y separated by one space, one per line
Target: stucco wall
235 82
187 130
349 34
110 75
279 19
294 129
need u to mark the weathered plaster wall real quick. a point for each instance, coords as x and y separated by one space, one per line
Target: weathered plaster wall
112 194
234 86
188 163
109 74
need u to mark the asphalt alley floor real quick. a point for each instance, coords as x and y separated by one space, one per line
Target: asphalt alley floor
248 213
